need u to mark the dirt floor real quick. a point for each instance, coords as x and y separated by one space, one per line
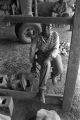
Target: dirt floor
14 58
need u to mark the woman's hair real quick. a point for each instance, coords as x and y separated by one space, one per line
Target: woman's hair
45 30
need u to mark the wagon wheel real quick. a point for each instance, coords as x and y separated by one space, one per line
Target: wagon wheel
23 31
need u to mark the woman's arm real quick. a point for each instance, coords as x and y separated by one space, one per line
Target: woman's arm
55 50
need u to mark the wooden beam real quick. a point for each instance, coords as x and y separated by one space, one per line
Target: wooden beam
25 19
73 63
18 94
23 95
54 99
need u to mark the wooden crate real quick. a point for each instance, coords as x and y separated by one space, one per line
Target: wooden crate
6 105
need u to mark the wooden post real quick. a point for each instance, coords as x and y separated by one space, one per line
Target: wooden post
73 63
36 9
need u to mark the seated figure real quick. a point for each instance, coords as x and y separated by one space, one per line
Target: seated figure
47 56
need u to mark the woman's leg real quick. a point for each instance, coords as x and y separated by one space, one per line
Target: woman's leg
57 66
44 75
45 72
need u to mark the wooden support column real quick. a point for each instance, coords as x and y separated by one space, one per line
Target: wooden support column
36 9
73 63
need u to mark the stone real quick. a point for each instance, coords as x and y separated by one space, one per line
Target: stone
4 117
44 114
6 105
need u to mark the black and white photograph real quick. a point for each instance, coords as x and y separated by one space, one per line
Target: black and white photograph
39 59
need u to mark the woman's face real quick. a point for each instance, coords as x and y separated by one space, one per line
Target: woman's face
49 29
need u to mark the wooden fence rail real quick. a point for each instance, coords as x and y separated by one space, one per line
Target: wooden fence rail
25 19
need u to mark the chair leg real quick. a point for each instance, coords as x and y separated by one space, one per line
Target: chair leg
60 77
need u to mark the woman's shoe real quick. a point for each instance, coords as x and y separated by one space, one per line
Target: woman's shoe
41 95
